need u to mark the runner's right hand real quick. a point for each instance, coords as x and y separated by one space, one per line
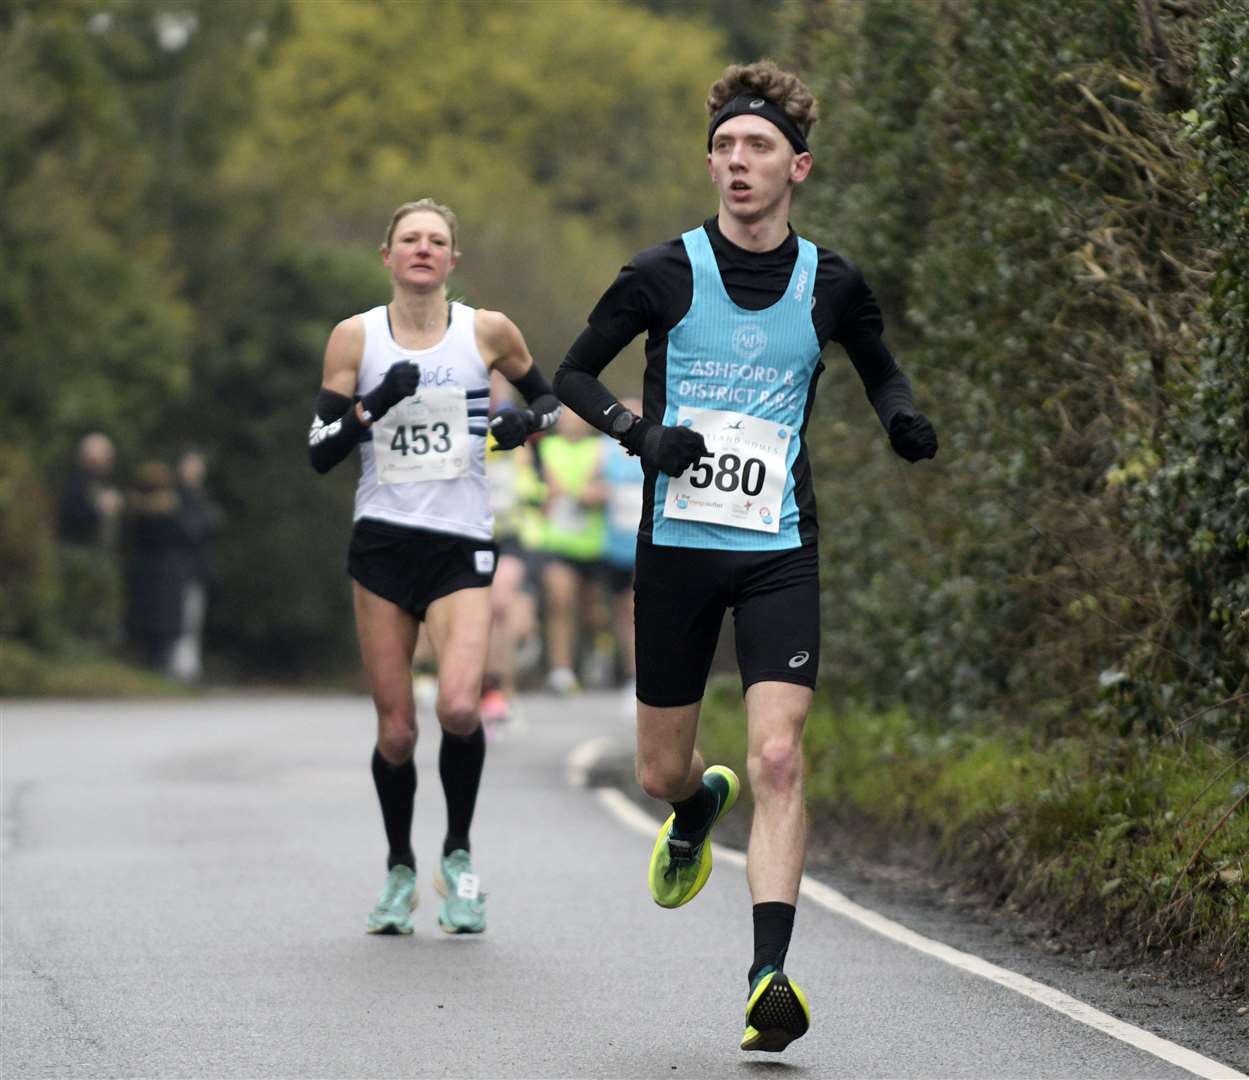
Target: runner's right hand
672 450
401 380
511 428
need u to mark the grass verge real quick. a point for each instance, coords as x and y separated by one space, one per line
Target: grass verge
24 672
1141 844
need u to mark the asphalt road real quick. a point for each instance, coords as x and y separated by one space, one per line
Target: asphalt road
184 891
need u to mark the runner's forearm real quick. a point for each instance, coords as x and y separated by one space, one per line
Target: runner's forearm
577 384
892 398
335 430
887 388
543 408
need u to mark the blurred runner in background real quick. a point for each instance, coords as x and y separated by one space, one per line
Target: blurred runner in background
574 533
622 475
408 382
516 496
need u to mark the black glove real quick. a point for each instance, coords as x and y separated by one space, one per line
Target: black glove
912 436
670 449
401 380
512 427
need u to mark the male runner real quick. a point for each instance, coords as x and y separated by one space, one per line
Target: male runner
737 313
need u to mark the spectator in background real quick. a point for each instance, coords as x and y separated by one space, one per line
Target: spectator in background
90 504
573 537
199 519
622 476
88 519
155 566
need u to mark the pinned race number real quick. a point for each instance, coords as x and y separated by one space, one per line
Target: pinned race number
624 505
742 483
424 437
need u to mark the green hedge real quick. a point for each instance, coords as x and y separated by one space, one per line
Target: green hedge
1048 199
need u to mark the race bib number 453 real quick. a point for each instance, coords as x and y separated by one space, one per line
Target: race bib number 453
743 481
424 437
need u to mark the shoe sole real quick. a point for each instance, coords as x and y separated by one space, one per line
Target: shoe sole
776 1014
440 887
391 929
704 859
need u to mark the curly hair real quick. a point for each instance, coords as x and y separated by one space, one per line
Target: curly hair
783 88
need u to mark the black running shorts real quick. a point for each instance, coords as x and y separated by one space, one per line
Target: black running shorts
414 567
680 597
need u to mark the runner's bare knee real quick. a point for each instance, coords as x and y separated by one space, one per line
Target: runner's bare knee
396 735
457 712
662 778
776 766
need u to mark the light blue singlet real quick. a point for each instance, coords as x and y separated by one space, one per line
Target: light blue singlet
760 363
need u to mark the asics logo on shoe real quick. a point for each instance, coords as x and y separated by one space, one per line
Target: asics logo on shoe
798 659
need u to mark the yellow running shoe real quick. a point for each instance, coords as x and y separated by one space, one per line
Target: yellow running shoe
777 1012
681 865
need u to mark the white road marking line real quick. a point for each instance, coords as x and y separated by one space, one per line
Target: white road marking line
582 760
585 756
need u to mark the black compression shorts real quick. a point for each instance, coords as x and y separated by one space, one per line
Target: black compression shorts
680 597
415 567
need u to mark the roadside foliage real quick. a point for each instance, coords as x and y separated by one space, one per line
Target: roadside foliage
1051 201
1037 646
194 194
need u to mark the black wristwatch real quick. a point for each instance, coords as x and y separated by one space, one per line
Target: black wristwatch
622 423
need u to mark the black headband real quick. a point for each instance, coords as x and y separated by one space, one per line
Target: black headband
754 105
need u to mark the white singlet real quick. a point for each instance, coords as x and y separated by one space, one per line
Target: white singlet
452 497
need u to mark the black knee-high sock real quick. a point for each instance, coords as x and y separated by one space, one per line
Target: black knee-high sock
396 791
774 925
694 813
460 761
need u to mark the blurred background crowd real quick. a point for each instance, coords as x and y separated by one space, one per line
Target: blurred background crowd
135 573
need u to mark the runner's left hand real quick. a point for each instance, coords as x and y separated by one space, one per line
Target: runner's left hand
912 436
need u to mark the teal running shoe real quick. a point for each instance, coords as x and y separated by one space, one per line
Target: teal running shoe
777 1012
393 912
464 909
681 865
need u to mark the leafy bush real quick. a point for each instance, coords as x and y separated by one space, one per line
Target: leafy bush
1048 199
27 551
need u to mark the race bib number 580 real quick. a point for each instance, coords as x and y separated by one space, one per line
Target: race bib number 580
743 481
424 437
